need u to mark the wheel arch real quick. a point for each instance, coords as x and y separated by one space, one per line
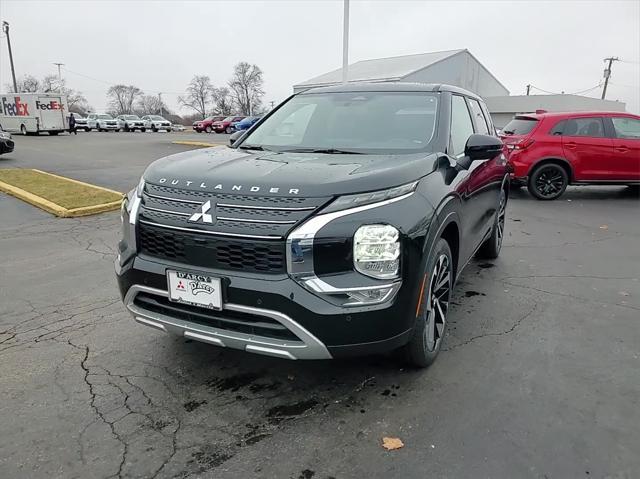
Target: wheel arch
557 160
446 224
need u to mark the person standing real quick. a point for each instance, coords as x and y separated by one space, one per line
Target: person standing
72 125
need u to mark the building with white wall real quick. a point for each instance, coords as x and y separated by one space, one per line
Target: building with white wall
455 67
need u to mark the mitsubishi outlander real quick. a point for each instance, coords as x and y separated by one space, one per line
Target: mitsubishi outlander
337 225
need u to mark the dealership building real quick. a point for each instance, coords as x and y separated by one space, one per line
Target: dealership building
459 68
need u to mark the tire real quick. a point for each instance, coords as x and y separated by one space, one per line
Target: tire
86 128
548 181
490 249
143 130
53 133
154 129
127 129
207 129
23 130
229 130
431 323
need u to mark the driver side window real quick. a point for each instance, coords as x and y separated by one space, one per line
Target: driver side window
461 125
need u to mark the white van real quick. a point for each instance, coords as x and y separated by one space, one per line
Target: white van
34 112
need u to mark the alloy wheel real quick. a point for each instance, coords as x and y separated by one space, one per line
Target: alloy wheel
502 211
549 182
437 302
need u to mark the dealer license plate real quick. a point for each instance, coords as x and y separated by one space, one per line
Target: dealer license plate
195 289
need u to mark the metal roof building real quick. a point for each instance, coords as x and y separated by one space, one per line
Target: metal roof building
455 67
503 108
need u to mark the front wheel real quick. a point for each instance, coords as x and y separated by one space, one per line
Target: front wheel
431 321
548 181
143 130
23 130
86 128
154 129
490 249
229 130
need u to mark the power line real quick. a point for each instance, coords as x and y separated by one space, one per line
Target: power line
115 83
563 93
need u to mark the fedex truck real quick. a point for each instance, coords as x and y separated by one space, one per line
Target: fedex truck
34 112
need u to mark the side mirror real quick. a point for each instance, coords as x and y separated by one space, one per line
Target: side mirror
234 137
480 147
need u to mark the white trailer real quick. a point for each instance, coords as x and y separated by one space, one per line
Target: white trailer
34 112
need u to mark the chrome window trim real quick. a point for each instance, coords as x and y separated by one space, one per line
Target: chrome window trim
309 346
213 233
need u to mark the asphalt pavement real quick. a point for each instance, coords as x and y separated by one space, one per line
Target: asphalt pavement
539 377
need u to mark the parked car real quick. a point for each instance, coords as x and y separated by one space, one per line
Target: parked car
101 122
156 122
131 123
337 226
205 125
177 127
549 151
6 142
81 122
224 125
246 123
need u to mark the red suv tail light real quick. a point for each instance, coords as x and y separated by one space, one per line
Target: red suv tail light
521 145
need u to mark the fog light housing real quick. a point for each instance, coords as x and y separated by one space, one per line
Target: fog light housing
376 251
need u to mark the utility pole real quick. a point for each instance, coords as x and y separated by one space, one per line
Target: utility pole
160 100
5 28
59 76
607 74
528 89
345 42
272 103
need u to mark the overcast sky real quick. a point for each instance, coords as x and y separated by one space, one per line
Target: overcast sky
159 45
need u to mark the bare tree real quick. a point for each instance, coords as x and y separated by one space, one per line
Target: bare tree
198 95
246 87
150 105
222 101
26 84
122 97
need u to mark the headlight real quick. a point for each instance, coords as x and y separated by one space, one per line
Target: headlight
376 251
352 201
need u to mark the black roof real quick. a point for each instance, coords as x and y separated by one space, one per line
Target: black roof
388 86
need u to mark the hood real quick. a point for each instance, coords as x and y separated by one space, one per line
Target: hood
227 170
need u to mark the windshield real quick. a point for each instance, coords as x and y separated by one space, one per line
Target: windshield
229 118
105 117
156 117
130 117
519 126
359 122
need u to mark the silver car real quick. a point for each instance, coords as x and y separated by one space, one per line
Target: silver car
131 123
156 122
102 122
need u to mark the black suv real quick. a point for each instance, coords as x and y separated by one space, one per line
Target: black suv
337 225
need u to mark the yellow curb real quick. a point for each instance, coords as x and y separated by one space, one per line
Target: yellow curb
196 143
56 209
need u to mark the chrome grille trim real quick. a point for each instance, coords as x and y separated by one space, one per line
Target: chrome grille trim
247 220
159 210
175 200
214 233
270 208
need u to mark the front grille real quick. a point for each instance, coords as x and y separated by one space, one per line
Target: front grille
198 250
228 320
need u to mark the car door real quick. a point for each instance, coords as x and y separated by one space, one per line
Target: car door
626 148
470 188
587 148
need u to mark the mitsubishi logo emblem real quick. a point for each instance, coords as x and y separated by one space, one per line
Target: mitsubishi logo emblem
203 213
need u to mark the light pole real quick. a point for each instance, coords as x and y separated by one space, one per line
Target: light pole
345 42
160 100
59 76
5 28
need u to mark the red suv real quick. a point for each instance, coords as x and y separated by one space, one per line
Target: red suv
224 125
205 125
549 151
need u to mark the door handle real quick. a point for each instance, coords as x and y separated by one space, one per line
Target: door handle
571 145
621 149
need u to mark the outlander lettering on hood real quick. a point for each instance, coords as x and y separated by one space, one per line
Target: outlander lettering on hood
337 225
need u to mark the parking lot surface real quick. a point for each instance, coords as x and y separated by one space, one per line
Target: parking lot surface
540 375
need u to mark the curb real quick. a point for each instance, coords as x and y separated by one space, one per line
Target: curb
77 182
196 143
56 209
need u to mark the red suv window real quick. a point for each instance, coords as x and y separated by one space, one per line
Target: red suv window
520 126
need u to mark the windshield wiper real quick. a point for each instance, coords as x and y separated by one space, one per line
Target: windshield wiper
252 147
328 151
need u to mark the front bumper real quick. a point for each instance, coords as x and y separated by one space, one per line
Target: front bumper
6 145
109 127
319 330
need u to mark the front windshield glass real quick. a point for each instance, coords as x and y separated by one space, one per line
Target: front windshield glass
156 117
105 117
229 118
360 122
130 117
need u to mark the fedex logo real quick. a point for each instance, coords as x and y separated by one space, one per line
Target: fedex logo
52 105
17 108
